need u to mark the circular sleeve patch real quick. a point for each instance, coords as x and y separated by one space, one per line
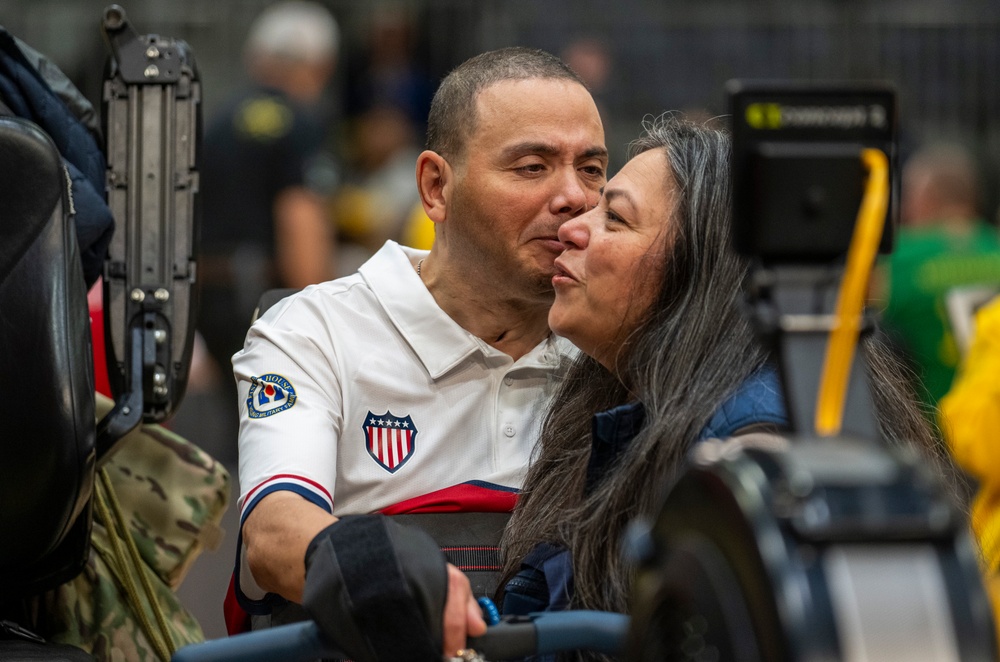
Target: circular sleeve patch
269 395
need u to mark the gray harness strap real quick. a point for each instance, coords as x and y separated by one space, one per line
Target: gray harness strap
470 542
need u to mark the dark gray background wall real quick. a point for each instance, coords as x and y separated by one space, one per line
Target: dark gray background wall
943 55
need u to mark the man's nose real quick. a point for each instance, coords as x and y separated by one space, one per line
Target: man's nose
573 196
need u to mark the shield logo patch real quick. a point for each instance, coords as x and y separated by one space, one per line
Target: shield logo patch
389 439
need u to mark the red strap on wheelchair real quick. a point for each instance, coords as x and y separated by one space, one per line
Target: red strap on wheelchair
95 304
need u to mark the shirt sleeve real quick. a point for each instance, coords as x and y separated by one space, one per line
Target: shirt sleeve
291 406
290 417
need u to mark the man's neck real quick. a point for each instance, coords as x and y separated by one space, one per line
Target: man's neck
512 325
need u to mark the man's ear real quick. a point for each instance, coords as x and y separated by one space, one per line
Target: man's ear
434 181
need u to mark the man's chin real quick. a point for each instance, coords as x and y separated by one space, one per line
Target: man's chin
543 286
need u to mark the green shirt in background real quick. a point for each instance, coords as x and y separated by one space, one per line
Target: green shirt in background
925 264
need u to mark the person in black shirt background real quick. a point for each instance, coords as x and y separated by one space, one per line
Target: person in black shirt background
263 181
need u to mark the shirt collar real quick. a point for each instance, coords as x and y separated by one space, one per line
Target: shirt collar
439 342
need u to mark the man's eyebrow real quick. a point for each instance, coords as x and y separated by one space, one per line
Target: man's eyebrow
548 149
599 152
519 149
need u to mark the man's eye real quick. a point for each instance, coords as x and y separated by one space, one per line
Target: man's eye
596 171
531 168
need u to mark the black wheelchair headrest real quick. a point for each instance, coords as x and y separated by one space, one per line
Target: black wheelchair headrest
47 453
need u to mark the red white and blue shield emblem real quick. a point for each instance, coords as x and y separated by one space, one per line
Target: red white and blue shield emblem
389 439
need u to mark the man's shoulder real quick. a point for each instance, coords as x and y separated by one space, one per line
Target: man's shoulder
917 240
914 247
345 293
339 321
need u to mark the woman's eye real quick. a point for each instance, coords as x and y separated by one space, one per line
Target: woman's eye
614 218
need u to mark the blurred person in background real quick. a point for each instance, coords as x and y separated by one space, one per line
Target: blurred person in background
590 57
388 68
942 243
970 420
377 197
263 180
388 97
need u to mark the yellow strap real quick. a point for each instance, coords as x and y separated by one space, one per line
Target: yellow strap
109 512
850 299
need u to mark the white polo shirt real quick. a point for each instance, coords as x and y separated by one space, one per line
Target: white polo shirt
362 395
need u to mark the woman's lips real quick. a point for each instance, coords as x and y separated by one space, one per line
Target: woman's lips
562 273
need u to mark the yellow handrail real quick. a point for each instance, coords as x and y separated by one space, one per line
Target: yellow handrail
861 254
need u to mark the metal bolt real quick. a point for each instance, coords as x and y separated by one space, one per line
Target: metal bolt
159 391
152 71
152 52
114 16
161 294
159 378
138 295
160 336
126 410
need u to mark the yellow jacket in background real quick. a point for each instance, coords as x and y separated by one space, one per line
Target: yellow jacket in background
970 421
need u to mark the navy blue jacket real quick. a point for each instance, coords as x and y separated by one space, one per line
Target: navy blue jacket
32 88
545 582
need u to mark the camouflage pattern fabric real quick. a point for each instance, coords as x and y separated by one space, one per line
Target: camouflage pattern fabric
173 496
91 612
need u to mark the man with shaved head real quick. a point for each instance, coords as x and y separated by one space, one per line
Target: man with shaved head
418 383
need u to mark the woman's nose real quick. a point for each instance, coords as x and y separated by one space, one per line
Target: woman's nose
575 233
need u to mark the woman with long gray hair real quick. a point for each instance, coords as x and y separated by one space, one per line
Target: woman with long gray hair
650 289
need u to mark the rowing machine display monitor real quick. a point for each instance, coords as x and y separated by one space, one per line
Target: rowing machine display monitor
797 178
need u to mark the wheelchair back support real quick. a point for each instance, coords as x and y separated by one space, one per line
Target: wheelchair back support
48 406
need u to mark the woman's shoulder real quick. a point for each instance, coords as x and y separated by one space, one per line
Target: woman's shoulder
757 400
